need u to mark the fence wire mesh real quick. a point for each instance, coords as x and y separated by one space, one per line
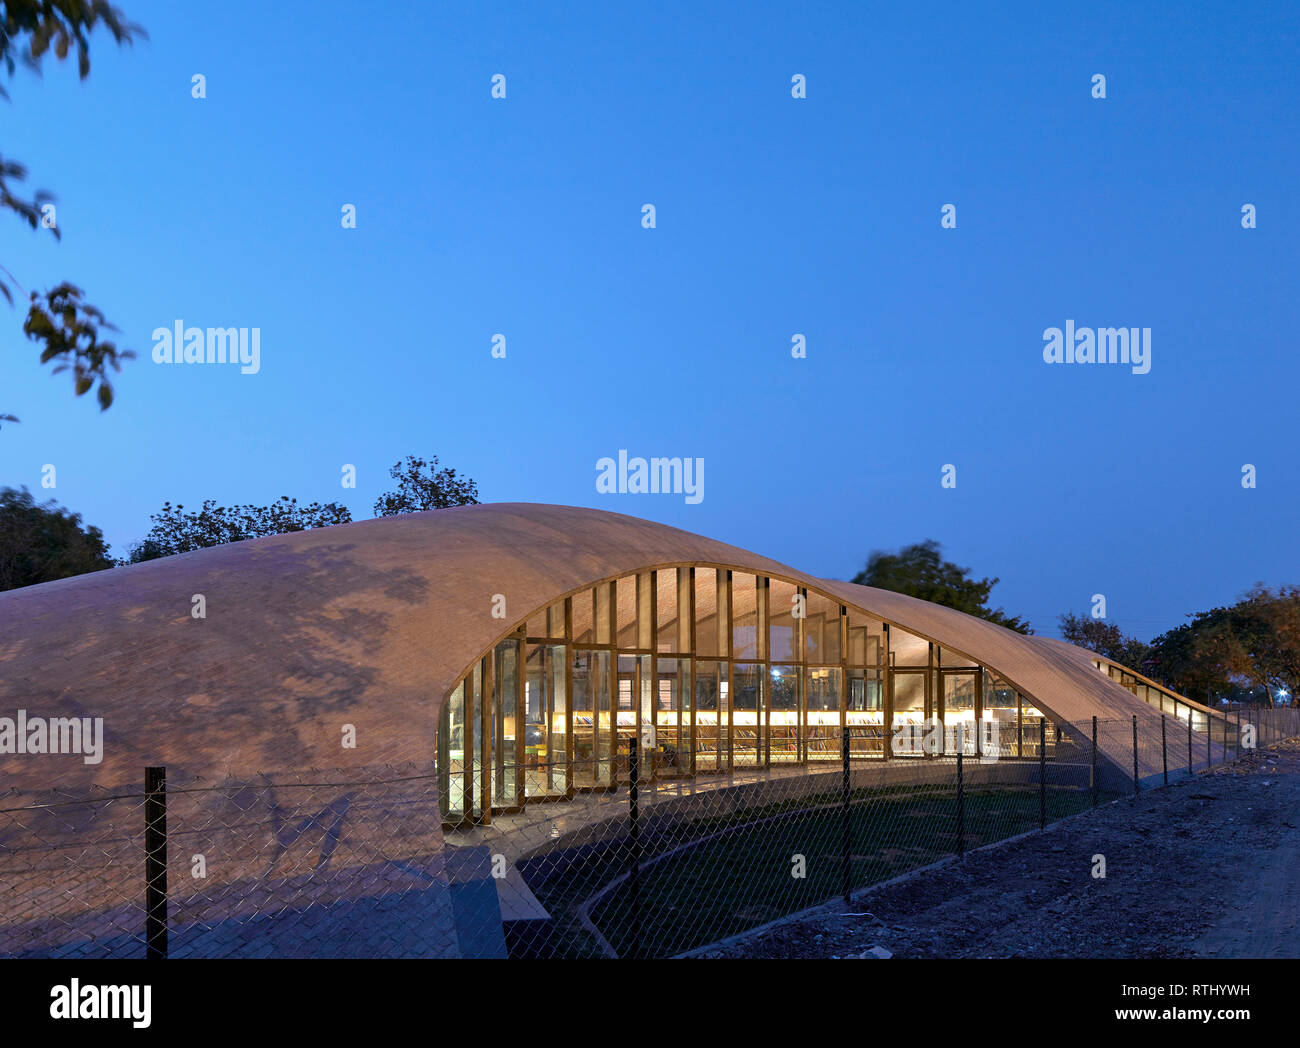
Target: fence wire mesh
295 864
375 863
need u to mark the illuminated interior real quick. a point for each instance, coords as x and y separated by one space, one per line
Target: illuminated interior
1154 695
714 670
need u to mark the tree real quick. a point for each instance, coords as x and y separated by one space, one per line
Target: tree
41 543
176 531
1185 659
1248 646
68 328
1106 639
920 571
1260 641
421 485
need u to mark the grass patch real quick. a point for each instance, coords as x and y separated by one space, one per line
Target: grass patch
743 876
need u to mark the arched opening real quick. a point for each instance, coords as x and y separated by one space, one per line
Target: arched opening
717 671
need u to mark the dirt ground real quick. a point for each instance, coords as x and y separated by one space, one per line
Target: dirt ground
1207 867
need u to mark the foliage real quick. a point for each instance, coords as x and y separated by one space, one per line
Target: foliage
70 330
1184 658
177 531
67 325
1264 647
421 485
41 543
1106 639
1255 643
1229 652
920 571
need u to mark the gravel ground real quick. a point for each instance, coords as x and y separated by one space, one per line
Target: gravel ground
1206 867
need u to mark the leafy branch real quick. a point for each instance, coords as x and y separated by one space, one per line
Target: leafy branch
60 318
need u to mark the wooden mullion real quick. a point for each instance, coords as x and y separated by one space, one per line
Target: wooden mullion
612 590
468 747
887 690
567 648
764 756
844 677
487 674
731 685
521 720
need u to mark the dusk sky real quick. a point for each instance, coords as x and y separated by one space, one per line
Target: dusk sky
775 216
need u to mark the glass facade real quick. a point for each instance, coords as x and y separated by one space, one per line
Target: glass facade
715 671
1161 698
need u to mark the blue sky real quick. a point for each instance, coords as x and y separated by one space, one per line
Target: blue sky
775 216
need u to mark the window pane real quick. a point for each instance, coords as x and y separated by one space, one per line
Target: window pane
646 713
785 714
666 596
645 608
584 622
672 715
746 713
544 712
549 622
950 659
866 640
822 629
781 607
603 600
478 744
591 719
824 689
706 612
628 718
555 620
710 714
744 615
959 712
451 753
909 696
506 724
865 716
628 636
908 649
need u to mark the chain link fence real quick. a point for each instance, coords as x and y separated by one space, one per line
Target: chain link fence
297 864
655 863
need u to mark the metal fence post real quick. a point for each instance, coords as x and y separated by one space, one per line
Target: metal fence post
961 806
1135 754
1042 773
1209 736
844 798
634 859
1164 749
1092 772
155 863
1189 740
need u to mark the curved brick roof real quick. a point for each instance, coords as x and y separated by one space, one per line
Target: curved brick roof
371 624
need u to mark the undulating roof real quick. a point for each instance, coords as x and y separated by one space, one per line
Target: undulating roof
371 624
